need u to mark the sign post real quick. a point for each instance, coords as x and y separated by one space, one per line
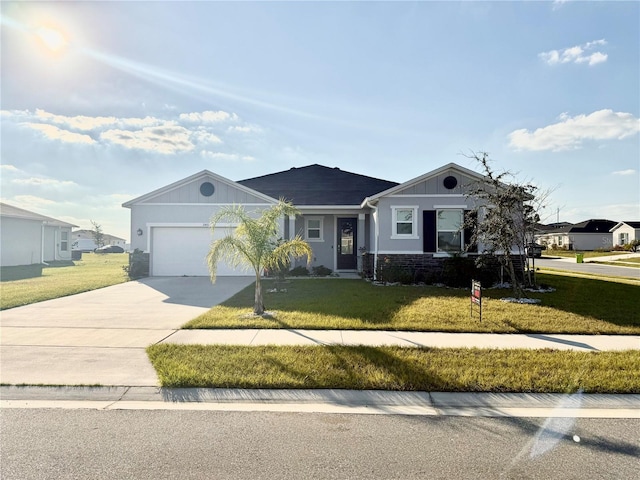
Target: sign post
476 296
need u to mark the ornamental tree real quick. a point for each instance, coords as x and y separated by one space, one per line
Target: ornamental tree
254 245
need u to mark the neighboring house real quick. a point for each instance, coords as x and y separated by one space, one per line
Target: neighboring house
28 238
83 240
623 233
588 235
344 215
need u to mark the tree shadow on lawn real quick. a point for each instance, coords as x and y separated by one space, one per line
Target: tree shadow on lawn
23 272
614 303
9 274
362 368
343 298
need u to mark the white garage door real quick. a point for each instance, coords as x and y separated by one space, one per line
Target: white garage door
179 251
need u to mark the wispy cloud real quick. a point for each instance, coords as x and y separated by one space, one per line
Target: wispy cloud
578 54
165 139
557 4
86 123
31 202
54 133
177 133
571 132
227 156
208 116
625 173
245 129
44 182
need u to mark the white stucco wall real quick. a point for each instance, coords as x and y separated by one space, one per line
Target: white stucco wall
632 234
20 241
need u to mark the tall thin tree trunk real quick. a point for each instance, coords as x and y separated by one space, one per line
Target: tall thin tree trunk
515 282
258 305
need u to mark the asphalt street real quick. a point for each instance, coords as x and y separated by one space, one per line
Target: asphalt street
82 444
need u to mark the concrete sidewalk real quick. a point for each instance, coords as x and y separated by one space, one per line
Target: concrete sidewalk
404 339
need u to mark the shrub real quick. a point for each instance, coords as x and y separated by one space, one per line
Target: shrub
299 271
321 271
458 271
138 264
389 273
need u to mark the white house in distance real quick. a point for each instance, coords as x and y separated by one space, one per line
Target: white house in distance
83 240
625 233
588 235
28 238
343 216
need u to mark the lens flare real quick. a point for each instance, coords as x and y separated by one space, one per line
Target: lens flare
53 39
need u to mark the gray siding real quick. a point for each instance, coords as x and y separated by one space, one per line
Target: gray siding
435 186
190 193
387 244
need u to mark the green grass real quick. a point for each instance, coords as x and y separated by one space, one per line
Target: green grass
92 272
396 368
635 260
578 305
625 262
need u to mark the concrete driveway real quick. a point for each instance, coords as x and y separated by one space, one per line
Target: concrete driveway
99 337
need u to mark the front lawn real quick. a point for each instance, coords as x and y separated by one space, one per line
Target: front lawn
396 368
578 305
633 262
92 272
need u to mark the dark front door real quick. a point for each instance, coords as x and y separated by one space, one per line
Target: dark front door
347 243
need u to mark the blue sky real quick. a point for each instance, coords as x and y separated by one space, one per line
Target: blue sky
106 101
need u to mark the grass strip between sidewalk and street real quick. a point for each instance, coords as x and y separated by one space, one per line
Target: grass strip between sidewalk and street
575 306
64 278
395 368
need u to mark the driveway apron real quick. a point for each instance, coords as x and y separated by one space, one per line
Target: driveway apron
100 337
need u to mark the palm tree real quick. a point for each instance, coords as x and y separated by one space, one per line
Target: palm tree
253 244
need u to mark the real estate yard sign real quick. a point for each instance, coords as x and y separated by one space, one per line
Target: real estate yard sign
476 296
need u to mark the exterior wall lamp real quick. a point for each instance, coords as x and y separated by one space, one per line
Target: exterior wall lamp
139 232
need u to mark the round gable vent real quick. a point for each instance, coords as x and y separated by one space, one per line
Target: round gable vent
450 182
207 189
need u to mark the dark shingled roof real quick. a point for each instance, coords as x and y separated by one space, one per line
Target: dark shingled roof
588 226
318 185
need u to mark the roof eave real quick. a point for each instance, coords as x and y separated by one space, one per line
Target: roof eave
184 181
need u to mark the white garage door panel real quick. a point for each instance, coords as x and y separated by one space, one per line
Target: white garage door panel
178 251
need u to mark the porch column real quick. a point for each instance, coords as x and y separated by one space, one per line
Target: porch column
361 241
361 232
292 227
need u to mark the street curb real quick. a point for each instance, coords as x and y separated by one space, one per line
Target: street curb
326 401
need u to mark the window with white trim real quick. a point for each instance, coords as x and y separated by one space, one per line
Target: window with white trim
405 222
313 229
623 238
64 241
449 230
